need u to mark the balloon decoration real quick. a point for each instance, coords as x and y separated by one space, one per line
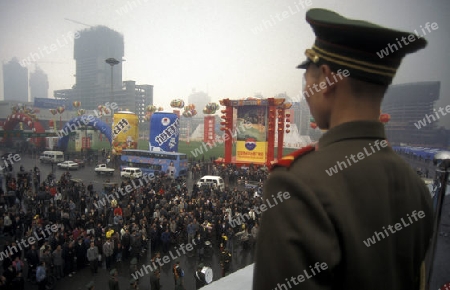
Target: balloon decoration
53 111
150 110
60 109
81 112
189 111
211 108
21 109
76 104
384 118
177 103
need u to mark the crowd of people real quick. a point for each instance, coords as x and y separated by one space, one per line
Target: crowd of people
160 213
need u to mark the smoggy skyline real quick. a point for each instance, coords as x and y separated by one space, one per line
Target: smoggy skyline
229 49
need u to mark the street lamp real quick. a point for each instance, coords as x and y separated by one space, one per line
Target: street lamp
112 62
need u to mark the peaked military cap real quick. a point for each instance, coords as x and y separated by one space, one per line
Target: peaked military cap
369 52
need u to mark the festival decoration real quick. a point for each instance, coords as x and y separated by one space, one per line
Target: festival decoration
211 108
177 103
189 111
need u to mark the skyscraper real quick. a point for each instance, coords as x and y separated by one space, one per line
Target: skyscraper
38 84
15 81
93 74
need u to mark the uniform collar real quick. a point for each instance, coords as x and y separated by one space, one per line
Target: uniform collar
353 130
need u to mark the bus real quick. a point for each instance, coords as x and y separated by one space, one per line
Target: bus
155 162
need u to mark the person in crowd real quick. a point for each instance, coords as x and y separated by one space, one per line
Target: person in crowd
134 284
225 261
200 280
32 257
178 273
154 280
92 257
90 285
113 282
41 276
58 262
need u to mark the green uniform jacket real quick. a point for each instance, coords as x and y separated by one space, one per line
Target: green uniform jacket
316 224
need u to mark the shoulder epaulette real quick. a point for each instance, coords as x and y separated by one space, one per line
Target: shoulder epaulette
287 160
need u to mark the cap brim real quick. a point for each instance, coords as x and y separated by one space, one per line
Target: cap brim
304 64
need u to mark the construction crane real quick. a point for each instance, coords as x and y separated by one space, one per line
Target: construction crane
78 22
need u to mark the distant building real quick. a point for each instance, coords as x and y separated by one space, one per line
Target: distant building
15 81
38 84
93 74
132 97
135 98
407 104
200 100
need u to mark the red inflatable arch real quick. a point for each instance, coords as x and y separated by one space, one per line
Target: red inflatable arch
16 118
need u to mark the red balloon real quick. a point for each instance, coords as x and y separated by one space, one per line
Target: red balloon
384 118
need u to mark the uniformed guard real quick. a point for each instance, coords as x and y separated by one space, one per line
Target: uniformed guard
348 213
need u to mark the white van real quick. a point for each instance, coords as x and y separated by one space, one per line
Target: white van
212 181
52 157
131 172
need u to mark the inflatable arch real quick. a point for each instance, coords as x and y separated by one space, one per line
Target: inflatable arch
77 123
16 118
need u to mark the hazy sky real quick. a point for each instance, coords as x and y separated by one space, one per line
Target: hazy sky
228 48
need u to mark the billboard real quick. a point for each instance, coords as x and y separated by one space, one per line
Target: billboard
125 131
251 143
164 132
47 103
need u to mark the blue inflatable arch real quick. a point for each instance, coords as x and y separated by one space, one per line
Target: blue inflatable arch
77 123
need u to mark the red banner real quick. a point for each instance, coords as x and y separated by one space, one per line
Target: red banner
85 142
209 132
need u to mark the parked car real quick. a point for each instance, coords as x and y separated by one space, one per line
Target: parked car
103 169
68 165
131 172
52 157
80 162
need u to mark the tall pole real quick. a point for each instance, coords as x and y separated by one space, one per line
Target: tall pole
112 62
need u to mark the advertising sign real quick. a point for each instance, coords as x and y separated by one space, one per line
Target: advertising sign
164 132
125 131
252 142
